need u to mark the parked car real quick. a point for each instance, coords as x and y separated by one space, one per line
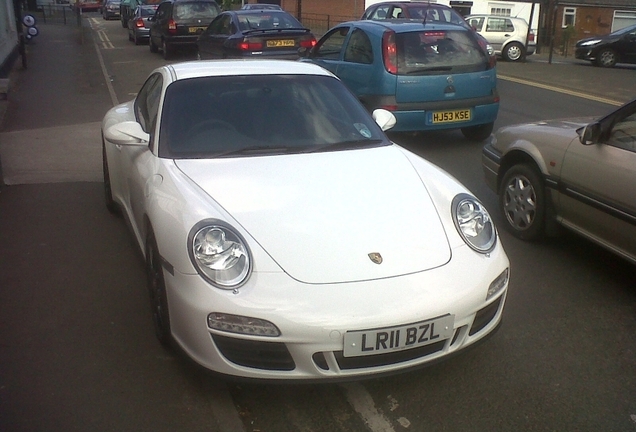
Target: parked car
255 6
138 24
507 35
127 9
606 51
429 12
285 236
254 33
577 173
178 24
110 9
86 5
431 76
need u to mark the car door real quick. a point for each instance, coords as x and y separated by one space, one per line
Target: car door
329 50
497 31
137 162
212 42
597 196
626 46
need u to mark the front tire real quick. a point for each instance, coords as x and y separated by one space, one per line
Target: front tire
606 58
513 52
522 202
479 132
157 291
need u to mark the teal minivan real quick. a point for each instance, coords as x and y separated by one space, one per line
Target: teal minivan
430 75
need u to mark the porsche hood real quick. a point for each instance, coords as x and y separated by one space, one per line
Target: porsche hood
331 217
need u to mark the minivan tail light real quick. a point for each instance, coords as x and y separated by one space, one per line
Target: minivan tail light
389 52
531 36
139 23
172 27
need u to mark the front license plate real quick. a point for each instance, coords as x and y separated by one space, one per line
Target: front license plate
196 29
280 43
378 341
451 116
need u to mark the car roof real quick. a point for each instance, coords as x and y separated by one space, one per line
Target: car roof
411 3
404 25
203 68
495 16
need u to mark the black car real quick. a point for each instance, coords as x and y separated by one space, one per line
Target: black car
256 34
606 51
178 24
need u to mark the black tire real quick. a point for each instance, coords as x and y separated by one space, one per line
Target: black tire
111 205
479 132
153 48
167 50
522 202
513 52
157 291
606 58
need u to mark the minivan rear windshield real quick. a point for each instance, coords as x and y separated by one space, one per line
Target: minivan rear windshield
438 52
195 10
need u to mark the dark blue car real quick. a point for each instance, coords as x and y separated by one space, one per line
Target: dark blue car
430 75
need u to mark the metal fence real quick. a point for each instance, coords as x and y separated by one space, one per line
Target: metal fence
320 23
56 14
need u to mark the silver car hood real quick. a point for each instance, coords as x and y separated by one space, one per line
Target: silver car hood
322 216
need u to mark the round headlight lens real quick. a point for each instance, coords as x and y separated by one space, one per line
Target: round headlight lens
219 254
474 223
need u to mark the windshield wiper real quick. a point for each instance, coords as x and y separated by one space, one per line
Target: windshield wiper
255 150
345 145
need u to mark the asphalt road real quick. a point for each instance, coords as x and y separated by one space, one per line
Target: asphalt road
77 350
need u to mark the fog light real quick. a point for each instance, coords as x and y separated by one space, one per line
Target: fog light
242 325
498 284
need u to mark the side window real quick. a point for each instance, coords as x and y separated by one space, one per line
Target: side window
476 23
331 47
215 25
509 27
380 13
623 134
147 103
397 13
162 11
496 25
359 49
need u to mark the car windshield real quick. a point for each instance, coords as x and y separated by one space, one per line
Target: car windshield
437 51
262 114
436 14
624 30
268 21
195 10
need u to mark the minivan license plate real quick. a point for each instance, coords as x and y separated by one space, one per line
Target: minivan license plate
450 116
398 338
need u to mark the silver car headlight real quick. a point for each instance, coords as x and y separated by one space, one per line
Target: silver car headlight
474 223
219 254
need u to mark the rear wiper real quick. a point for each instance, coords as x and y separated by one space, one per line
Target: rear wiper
430 69
276 30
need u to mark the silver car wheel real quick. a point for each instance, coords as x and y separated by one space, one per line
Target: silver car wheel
522 202
513 52
607 58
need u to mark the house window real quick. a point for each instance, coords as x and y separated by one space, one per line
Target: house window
500 11
569 17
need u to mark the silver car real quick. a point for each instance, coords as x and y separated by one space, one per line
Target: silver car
507 35
576 173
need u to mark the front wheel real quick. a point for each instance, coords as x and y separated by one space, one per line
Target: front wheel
479 132
522 202
513 52
157 291
606 58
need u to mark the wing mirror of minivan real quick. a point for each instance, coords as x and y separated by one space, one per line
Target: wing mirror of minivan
590 134
385 119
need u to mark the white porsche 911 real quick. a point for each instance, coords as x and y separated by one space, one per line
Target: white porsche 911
285 236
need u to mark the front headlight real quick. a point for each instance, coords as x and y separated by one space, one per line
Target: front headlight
474 223
219 254
590 42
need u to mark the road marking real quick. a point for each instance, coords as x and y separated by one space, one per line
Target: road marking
363 404
561 90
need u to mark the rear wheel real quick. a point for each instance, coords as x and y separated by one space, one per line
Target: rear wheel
513 52
479 132
522 202
606 58
157 291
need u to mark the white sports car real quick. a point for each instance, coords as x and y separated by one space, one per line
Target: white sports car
285 236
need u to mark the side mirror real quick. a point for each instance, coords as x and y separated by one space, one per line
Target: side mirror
303 52
385 119
127 133
590 134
